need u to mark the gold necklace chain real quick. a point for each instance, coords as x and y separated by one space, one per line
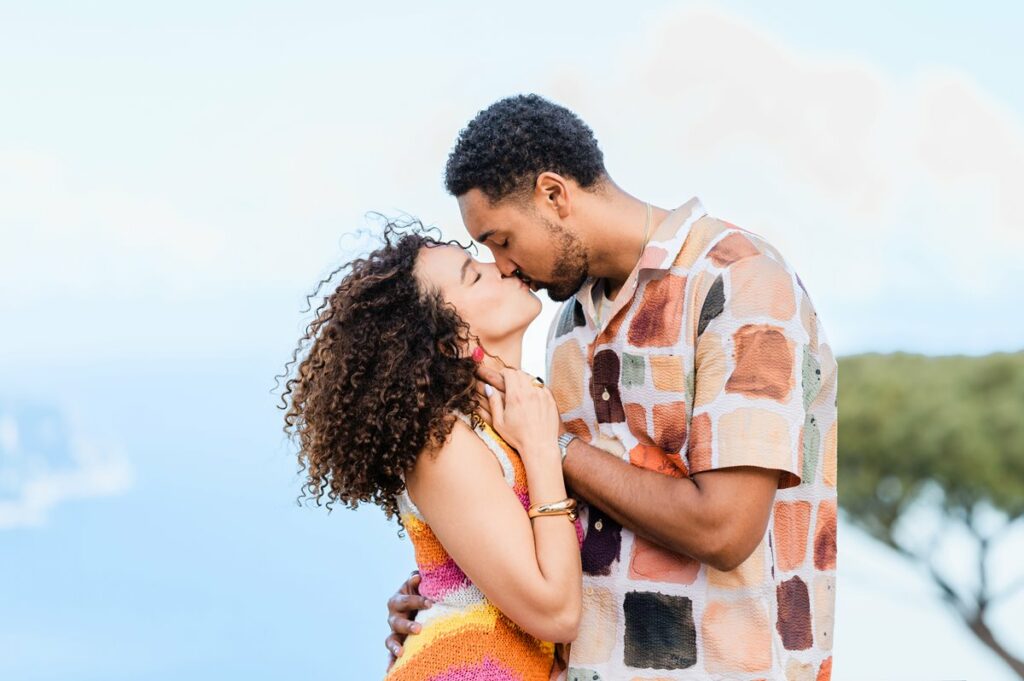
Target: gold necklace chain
643 247
647 232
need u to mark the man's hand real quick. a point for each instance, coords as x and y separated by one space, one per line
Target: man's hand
402 608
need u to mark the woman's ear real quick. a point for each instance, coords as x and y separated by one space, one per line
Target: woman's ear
475 351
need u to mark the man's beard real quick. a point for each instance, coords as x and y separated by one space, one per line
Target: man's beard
571 265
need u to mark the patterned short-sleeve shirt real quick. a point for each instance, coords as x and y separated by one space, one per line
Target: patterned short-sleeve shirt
710 356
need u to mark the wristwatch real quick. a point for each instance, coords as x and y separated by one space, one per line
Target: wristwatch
563 443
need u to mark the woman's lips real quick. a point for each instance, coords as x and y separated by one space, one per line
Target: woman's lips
528 284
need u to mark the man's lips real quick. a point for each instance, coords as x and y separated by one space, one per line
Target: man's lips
529 283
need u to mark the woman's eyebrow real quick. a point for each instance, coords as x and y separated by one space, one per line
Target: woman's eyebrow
465 266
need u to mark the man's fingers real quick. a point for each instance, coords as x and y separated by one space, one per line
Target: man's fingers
411 585
408 603
489 375
403 627
401 607
394 647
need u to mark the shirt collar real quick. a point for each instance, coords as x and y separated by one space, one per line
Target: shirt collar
662 248
668 238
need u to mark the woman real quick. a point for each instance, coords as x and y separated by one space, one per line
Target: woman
384 404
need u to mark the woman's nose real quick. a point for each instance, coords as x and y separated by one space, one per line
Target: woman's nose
505 267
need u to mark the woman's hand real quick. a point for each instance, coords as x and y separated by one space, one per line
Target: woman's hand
525 415
491 379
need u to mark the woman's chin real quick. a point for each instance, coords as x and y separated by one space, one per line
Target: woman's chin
537 304
530 314
525 312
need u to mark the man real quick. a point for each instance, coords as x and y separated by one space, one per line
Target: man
689 362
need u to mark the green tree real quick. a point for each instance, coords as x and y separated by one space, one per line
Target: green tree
939 437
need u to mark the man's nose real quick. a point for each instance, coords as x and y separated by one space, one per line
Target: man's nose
505 266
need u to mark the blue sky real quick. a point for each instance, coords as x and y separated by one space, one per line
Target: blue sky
174 179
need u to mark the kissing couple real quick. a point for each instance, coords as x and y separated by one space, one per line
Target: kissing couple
660 505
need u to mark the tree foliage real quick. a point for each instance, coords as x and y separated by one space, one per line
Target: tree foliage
941 431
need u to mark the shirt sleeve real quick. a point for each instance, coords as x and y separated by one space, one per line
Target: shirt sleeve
748 407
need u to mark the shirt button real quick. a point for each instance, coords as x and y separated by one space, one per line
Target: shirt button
605 396
598 525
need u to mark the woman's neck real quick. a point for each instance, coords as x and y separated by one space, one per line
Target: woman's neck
509 351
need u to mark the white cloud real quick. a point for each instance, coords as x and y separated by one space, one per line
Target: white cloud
894 196
44 463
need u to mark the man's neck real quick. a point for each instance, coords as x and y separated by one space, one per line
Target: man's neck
616 240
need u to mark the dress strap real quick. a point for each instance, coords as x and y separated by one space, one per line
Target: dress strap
498 447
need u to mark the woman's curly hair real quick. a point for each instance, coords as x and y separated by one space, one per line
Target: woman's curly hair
382 374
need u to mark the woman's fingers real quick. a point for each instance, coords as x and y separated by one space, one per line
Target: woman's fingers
496 402
483 410
480 390
491 376
513 384
483 402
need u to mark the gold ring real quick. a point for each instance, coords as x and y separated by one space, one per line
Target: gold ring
537 382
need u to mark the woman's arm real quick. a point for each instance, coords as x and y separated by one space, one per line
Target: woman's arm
529 569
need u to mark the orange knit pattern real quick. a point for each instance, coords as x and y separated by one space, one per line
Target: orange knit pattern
464 637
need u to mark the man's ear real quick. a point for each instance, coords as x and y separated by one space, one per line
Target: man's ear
553 192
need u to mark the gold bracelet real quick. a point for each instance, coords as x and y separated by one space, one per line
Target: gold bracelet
564 507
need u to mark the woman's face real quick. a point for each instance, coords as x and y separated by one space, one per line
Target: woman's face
495 307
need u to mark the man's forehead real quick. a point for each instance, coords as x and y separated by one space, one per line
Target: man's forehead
481 217
476 202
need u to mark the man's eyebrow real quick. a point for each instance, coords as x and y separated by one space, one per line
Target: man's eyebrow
486 235
465 265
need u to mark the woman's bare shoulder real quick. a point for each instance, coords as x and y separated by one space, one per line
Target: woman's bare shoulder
464 454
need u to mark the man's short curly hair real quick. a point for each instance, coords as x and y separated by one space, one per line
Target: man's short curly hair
379 375
507 145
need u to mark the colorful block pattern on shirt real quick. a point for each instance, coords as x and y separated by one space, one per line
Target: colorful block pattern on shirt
712 357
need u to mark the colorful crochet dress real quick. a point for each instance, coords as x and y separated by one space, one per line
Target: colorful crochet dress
464 636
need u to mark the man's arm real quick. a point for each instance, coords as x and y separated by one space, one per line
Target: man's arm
718 516
752 384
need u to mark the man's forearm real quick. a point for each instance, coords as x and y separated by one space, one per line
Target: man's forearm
660 508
